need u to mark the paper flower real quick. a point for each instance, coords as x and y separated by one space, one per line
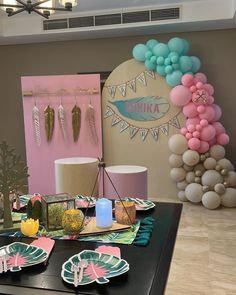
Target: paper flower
29 227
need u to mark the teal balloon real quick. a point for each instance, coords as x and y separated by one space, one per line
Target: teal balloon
175 66
149 65
161 70
167 61
153 59
139 51
161 49
196 64
168 69
148 54
151 43
176 44
160 60
174 78
186 47
174 57
185 63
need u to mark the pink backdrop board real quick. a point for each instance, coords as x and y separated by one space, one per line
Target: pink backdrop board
129 181
40 159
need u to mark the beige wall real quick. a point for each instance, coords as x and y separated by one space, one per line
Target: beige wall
217 50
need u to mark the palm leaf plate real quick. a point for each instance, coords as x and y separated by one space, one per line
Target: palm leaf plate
100 267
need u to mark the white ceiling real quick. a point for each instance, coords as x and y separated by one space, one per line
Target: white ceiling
195 15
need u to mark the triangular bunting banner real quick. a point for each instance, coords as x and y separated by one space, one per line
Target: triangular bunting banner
154 132
115 120
109 112
151 74
133 131
123 125
141 78
122 89
132 85
143 133
174 122
112 90
165 129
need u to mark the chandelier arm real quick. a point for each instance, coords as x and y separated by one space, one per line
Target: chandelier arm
38 3
16 12
11 5
40 13
53 8
21 2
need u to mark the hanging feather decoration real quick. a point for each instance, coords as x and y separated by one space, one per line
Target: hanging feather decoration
76 121
49 115
61 119
36 122
91 124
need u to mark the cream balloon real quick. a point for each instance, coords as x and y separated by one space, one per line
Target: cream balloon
231 178
211 178
217 152
182 197
190 157
226 164
182 185
194 192
177 174
219 188
211 200
175 161
210 163
190 176
228 199
178 144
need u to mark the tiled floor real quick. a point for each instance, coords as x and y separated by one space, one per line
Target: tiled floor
204 260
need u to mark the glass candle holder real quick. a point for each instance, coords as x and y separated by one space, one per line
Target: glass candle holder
72 221
121 210
103 213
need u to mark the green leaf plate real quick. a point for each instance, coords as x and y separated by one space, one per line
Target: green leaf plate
22 255
100 267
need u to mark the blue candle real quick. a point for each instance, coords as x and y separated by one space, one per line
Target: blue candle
104 213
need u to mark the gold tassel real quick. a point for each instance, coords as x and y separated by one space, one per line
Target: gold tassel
76 121
49 121
91 124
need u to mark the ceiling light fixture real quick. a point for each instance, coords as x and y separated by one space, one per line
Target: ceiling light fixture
13 7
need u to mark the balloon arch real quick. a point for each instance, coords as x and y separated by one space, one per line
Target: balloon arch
198 163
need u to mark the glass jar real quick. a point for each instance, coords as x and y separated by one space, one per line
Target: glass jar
72 221
125 212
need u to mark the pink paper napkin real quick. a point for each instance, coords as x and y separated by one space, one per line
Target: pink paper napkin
115 251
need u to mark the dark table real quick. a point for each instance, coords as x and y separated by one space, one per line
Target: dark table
149 266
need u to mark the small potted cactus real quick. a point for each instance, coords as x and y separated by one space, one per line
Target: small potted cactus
34 207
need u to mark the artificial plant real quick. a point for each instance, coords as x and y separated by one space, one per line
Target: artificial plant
13 177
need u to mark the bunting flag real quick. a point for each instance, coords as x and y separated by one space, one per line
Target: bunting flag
131 84
133 130
122 89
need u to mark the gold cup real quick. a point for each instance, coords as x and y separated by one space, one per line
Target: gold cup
125 212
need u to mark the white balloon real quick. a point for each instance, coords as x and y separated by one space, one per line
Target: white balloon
226 164
228 199
211 200
194 192
182 197
175 161
191 158
231 178
178 144
177 174
182 185
211 178
217 152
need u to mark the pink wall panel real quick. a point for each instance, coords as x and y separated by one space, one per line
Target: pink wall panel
40 159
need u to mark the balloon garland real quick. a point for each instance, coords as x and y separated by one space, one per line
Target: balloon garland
198 163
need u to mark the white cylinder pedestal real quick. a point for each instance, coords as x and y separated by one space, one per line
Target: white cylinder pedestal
76 176
129 181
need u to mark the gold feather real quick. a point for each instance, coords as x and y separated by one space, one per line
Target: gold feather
49 121
91 124
76 121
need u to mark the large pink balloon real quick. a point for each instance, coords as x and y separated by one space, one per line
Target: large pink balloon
180 95
187 80
218 128
222 139
208 114
218 112
212 141
200 77
204 147
209 88
193 121
194 144
207 133
190 110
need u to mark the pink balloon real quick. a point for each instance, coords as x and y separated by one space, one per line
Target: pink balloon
218 112
191 128
204 147
210 99
209 88
198 127
190 110
209 114
203 122
180 95
200 77
187 80
193 88
196 134
188 135
193 121
183 130
201 109
222 139
207 133
212 141
194 144
218 128
199 85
